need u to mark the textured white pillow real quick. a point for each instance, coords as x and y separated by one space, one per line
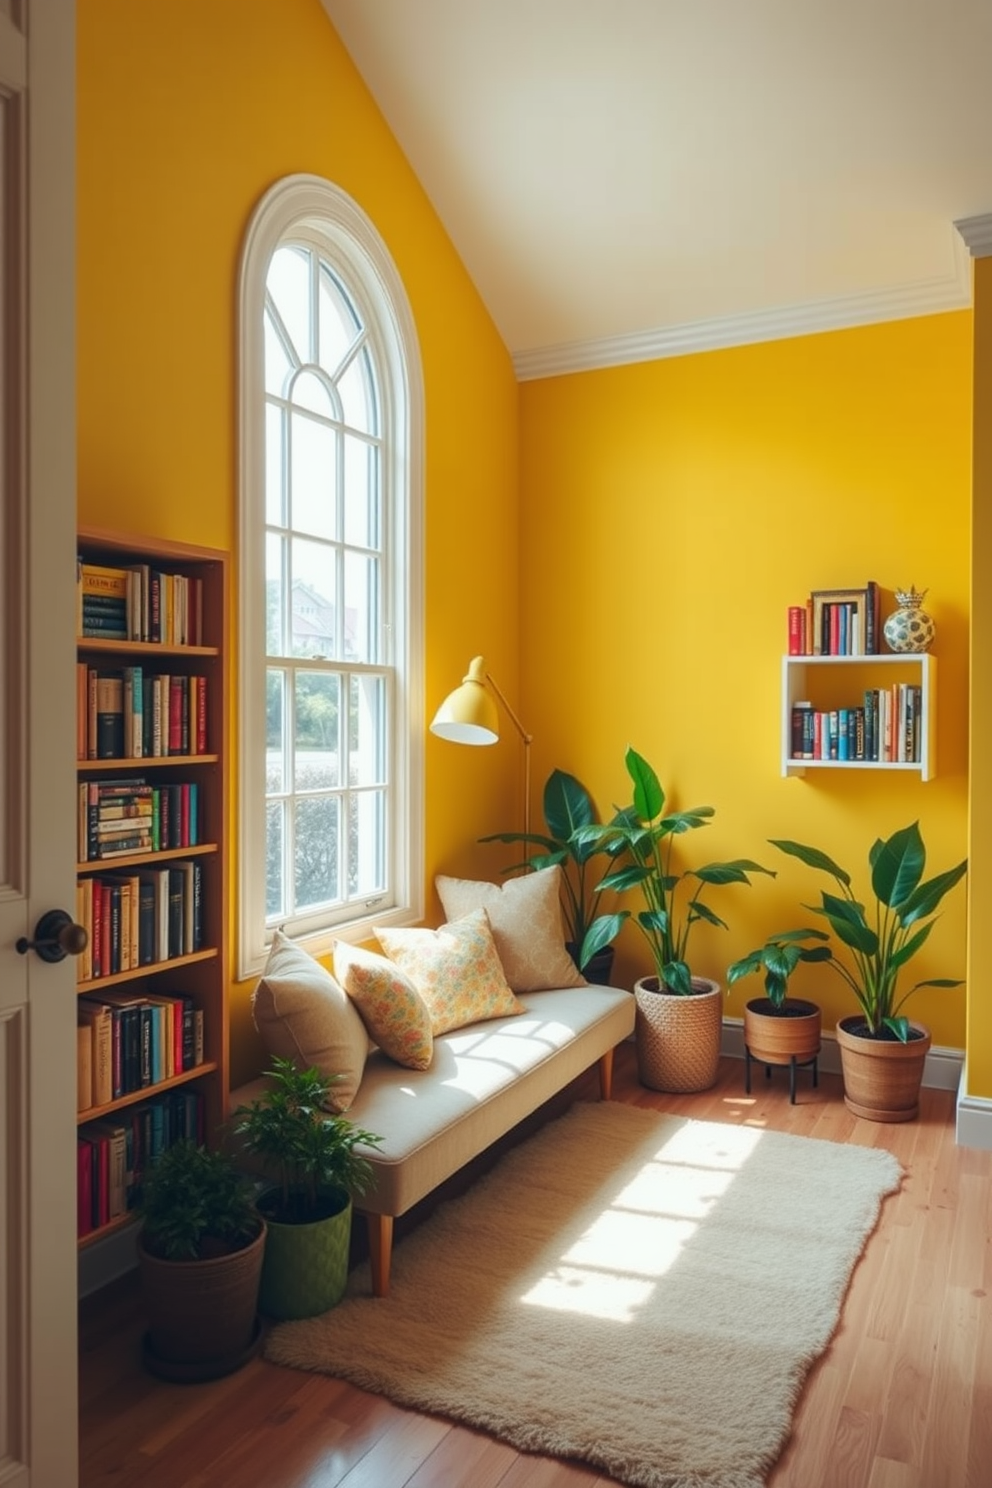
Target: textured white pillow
302 1014
525 918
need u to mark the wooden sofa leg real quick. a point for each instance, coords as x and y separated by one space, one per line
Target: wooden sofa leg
380 1227
606 1075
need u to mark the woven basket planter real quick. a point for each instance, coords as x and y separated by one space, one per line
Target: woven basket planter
202 1315
678 1038
882 1077
306 1265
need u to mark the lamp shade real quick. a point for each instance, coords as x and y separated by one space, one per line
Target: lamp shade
468 715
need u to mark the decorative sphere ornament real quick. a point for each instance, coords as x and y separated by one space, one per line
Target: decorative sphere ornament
909 628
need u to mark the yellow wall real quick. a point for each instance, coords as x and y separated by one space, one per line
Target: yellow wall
672 511
187 112
979 1043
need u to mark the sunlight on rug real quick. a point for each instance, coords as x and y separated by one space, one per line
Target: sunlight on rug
644 1293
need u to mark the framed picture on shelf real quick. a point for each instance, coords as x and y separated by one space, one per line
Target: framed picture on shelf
840 620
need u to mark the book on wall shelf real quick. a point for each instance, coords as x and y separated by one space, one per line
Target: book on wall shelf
836 622
152 873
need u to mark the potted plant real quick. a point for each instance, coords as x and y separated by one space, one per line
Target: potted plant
308 1211
882 1052
779 1029
679 1016
568 810
200 1253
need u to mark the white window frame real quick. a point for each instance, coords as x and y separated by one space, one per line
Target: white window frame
344 235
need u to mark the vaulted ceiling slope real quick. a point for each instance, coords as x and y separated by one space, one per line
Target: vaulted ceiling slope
627 179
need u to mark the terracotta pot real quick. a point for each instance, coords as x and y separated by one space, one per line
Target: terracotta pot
882 1077
779 1037
678 1038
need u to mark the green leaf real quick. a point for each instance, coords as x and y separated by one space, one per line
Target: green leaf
567 805
733 872
602 932
746 966
684 821
909 948
847 921
677 978
812 857
897 866
649 798
929 894
899 1026
700 911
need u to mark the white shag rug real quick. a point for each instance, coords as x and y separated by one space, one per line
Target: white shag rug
642 1292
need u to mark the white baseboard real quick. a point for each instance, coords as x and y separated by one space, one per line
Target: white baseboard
974 1123
942 1070
105 1260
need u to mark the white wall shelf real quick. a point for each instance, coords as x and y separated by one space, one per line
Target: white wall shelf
813 679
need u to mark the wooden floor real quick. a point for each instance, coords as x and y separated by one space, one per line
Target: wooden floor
901 1399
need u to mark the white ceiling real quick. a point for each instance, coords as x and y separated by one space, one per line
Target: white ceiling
634 178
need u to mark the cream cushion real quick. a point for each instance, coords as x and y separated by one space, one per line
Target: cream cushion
391 1008
525 918
303 1014
456 970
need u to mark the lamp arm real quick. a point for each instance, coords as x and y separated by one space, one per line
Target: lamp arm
527 738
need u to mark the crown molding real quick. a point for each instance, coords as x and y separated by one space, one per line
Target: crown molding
903 302
977 234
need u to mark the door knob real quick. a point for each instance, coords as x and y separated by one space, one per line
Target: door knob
56 936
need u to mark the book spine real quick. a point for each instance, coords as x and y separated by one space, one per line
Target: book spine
797 625
84 1186
872 632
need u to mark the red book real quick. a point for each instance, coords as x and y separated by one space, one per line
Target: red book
184 816
96 940
176 715
834 629
201 715
797 630
84 1187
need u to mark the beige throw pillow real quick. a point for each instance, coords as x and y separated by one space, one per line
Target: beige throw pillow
391 1008
455 969
302 1014
525 917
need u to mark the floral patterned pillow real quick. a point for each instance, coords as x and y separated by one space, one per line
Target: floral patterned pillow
394 1013
455 969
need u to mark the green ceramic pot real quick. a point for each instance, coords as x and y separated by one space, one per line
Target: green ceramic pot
305 1270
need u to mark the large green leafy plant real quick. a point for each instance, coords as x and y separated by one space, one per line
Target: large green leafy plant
568 810
882 940
645 834
312 1151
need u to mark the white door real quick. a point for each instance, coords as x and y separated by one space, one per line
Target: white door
38 1263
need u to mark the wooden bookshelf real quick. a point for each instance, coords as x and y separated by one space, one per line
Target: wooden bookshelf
196 972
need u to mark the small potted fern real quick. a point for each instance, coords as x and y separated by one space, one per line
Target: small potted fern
310 1153
200 1253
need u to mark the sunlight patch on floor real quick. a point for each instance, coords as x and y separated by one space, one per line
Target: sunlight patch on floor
611 1270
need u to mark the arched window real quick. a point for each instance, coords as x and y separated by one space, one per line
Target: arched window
331 667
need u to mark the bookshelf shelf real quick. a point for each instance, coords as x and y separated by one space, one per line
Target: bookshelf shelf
152 983
93 1113
839 682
